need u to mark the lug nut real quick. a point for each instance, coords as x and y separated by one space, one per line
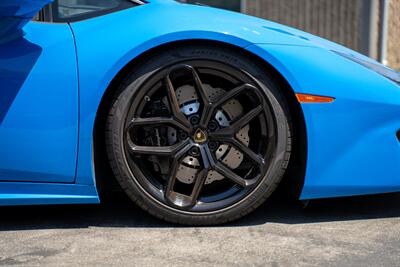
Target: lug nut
194 120
213 126
195 151
213 145
183 135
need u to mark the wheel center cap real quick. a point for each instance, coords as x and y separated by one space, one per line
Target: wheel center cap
200 136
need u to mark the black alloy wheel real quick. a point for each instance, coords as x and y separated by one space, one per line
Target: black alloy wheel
194 138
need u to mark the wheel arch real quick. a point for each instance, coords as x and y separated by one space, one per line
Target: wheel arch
294 177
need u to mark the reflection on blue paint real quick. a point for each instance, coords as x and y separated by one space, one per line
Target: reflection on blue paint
14 14
286 32
17 56
17 59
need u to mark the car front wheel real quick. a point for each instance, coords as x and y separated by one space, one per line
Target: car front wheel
199 135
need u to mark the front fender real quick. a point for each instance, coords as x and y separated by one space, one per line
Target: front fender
352 143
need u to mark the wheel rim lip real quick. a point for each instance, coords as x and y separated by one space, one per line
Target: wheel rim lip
201 207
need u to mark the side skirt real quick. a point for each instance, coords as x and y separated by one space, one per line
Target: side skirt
17 193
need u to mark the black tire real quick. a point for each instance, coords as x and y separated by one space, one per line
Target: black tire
277 157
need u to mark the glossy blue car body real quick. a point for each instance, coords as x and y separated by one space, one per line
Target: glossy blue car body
53 78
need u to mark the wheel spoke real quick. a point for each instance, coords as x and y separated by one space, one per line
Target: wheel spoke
225 171
207 105
169 189
206 157
198 186
256 158
199 86
176 198
173 101
168 151
211 107
230 131
157 121
246 119
185 201
233 93
208 163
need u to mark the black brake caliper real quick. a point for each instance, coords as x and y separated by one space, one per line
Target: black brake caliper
157 136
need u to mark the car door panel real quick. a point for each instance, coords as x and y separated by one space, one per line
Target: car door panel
39 105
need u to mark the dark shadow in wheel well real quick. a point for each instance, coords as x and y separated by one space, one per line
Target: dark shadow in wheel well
294 177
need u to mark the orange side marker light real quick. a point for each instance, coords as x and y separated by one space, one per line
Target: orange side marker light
305 98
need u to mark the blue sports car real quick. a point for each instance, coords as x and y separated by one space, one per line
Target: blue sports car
197 113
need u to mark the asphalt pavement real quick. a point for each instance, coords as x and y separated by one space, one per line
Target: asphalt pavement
360 231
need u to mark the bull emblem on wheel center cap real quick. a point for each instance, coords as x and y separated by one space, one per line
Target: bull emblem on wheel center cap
200 136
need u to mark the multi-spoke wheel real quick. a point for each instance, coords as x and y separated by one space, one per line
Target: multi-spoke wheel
195 138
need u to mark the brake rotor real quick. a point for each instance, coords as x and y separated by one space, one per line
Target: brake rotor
228 155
